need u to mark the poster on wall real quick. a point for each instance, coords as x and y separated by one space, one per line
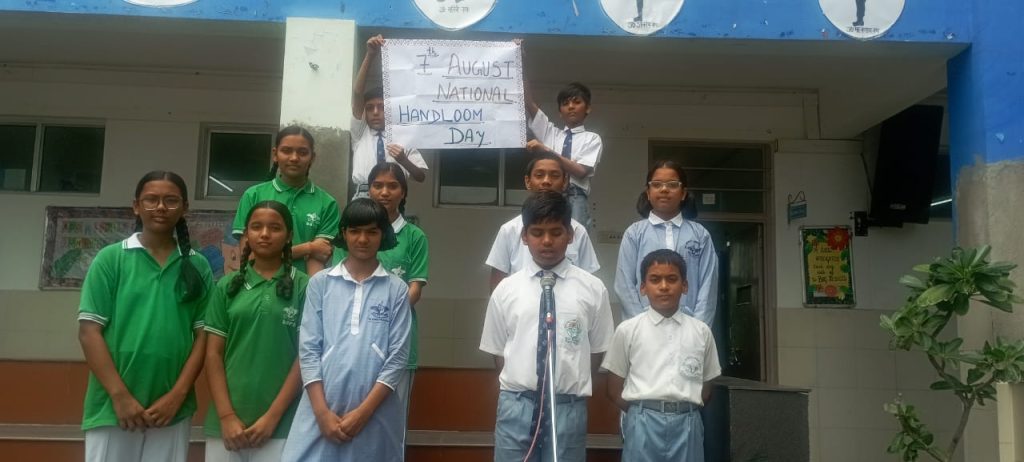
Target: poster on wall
455 14
862 19
827 266
452 94
641 17
74 235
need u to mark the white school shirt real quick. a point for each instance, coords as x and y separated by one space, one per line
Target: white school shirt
509 253
666 359
584 326
586 146
364 152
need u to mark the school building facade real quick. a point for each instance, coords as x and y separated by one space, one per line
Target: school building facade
761 100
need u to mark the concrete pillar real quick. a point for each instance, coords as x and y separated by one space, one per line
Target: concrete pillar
316 93
986 99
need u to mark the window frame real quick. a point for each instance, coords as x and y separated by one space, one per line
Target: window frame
40 124
501 185
206 129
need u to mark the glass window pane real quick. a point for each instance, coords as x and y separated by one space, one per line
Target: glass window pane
724 179
469 176
728 201
16 157
942 190
516 161
72 159
237 161
698 156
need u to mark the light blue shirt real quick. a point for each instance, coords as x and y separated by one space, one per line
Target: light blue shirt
690 240
353 335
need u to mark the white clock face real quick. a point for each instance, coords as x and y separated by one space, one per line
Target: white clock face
455 14
862 19
641 17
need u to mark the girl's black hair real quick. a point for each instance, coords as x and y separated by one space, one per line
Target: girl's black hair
190 285
399 174
286 132
285 284
688 207
362 212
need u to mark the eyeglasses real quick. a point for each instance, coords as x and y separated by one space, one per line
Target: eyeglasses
669 185
150 203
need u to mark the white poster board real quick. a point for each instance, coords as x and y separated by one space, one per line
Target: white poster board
862 19
450 94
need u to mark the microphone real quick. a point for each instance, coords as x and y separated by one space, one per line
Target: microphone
547 282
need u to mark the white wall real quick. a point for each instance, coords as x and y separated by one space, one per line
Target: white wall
842 355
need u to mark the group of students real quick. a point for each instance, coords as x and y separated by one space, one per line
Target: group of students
310 347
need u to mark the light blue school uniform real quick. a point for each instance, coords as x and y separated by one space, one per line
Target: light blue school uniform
690 240
353 335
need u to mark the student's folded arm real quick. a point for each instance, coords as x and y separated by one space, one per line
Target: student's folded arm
399 339
311 333
575 169
613 391
627 288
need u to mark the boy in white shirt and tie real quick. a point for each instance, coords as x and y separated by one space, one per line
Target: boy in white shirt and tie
660 362
524 320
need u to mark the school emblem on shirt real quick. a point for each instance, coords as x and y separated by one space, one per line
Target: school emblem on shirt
571 332
312 219
380 313
641 17
691 368
290 318
693 248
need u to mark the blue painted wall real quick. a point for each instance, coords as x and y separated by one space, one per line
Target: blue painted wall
922 20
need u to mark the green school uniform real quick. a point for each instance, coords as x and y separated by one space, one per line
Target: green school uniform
261 336
148 332
408 260
314 212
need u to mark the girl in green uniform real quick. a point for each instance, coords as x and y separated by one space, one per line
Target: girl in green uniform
141 330
314 211
253 316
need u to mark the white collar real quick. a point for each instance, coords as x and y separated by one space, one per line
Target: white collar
561 269
657 318
134 242
398 224
339 270
655 220
574 130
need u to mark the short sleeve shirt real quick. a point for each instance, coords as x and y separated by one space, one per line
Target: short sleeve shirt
148 332
666 359
584 327
261 334
314 212
510 254
364 152
586 146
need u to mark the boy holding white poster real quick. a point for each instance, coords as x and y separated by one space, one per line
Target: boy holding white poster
368 144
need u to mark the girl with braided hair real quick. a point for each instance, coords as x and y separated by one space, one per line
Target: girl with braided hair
141 330
253 318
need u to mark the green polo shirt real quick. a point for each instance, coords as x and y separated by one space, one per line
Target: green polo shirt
408 260
261 337
148 332
314 212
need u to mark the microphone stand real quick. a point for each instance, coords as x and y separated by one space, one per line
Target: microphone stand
549 316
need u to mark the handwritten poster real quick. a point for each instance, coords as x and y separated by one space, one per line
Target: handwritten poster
449 94
75 234
828 267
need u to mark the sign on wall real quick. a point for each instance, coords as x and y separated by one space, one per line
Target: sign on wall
862 19
828 266
75 234
455 14
641 17
449 94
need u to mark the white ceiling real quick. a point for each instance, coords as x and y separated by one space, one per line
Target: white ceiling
858 83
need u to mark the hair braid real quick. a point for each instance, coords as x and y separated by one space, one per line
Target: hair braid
285 285
190 284
239 279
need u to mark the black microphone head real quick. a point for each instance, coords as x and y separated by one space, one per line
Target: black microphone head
547 280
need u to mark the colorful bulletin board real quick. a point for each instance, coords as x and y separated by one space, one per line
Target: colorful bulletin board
75 234
828 266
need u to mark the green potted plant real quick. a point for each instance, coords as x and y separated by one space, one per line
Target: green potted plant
946 289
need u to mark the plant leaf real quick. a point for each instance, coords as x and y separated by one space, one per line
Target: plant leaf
935 294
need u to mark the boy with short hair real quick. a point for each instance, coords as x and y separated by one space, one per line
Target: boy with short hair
367 130
660 362
578 150
576 324
510 254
